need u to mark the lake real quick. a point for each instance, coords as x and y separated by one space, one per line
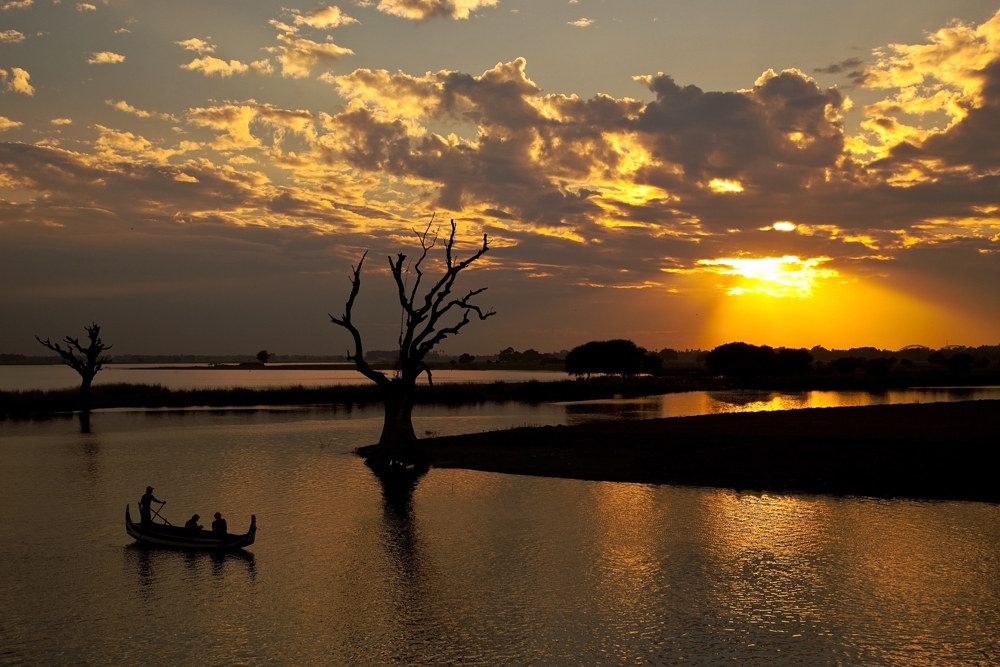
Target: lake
477 568
197 376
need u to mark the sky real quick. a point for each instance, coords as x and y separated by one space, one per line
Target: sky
200 177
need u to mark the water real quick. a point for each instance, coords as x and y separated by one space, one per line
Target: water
478 569
197 376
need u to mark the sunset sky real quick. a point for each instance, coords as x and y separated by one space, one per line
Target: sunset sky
198 177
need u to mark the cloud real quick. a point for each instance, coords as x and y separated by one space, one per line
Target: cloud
322 18
11 36
420 10
105 58
122 105
955 75
17 4
843 66
210 66
200 46
17 81
8 124
582 23
61 121
298 55
85 7
605 190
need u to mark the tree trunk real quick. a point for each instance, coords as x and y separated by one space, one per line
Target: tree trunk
85 389
398 440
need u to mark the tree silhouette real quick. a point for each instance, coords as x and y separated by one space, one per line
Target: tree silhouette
91 361
422 329
263 356
606 357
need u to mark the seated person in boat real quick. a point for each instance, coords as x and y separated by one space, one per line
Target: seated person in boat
145 514
192 524
219 525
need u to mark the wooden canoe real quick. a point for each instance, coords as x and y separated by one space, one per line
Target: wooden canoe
176 537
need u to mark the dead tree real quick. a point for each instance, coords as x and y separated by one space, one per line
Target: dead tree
421 330
91 361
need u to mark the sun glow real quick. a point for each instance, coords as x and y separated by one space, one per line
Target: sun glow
846 312
786 276
724 186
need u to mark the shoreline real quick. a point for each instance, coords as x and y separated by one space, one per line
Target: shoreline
928 451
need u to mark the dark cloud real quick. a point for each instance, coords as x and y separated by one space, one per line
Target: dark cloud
843 66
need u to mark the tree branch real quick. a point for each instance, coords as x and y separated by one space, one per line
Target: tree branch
345 321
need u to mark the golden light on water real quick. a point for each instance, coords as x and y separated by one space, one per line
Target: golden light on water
786 276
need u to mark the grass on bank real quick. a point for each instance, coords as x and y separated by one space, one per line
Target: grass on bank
26 404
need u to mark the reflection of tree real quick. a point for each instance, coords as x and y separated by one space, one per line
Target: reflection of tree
85 422
399 539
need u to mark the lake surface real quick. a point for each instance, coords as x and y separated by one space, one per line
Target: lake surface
197 376
476 569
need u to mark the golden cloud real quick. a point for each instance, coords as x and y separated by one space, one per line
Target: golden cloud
298 55
8 124
105 58
17 81
322 18
122 105
200 46
212 66
11 36
786 276
420 10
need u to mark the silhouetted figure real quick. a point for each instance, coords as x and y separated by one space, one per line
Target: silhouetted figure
219 525
145 509
192 524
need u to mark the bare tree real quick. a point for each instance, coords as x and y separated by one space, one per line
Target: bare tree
91 361
421 330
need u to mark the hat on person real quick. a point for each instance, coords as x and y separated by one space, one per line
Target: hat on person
149 489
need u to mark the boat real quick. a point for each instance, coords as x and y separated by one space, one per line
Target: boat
175 537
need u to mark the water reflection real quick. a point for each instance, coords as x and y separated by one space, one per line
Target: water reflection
687 404
464 567
152 565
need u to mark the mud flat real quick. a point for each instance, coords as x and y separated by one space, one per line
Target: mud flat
932 451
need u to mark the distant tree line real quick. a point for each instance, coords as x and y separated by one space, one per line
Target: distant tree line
743 360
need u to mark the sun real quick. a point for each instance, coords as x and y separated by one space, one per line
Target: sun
780 277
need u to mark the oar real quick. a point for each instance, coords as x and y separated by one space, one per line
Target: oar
157 513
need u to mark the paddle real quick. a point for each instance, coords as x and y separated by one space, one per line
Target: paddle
156 513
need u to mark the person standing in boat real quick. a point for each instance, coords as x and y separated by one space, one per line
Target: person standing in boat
219 526
145 506
192 524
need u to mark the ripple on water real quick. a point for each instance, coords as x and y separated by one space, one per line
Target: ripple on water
476 568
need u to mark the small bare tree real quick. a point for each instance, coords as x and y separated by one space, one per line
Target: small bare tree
91 361
421 330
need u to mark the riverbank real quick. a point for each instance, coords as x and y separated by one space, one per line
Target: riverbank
934 451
